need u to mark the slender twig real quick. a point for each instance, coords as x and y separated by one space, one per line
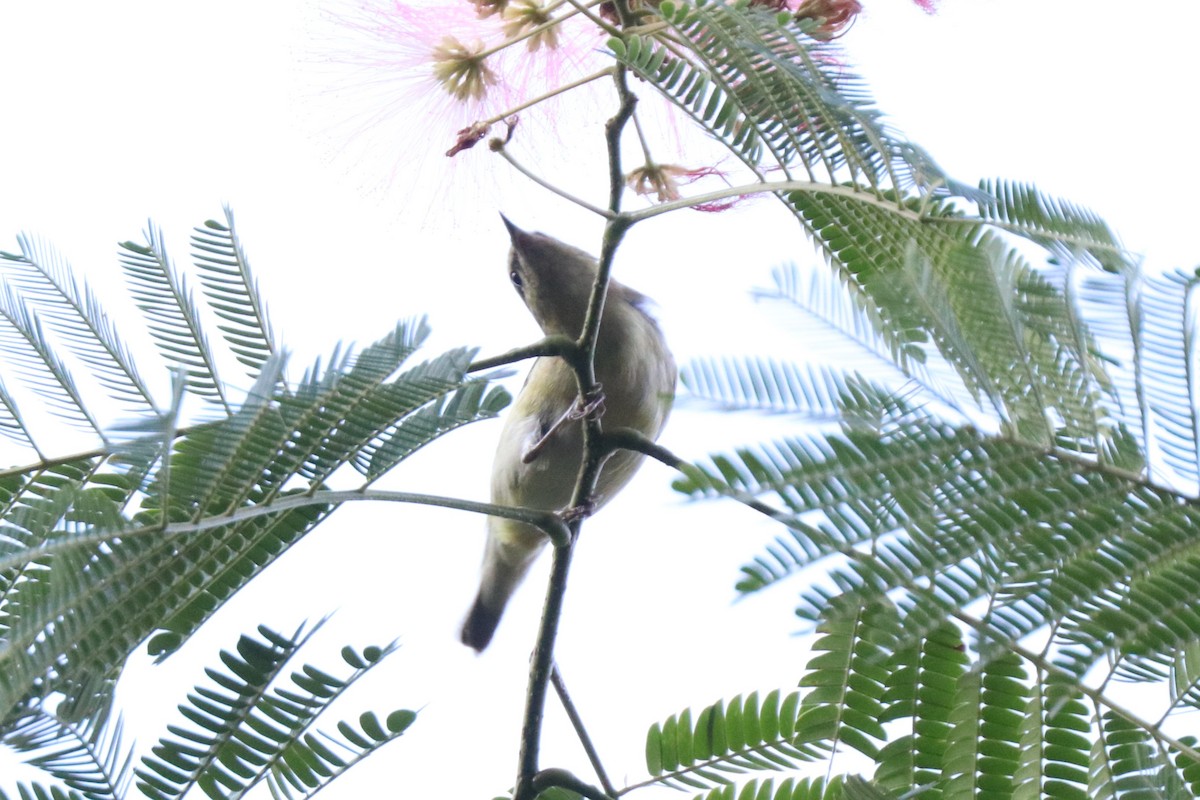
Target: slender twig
564 697
534 31
593 448
85 455
48 463
1086 464
637 126
612 135
1026 230
598 21
594 455
503 151
630 439
171 421
550 778
539 670
816 187
547 521
813 187
585 485
550 346
555 92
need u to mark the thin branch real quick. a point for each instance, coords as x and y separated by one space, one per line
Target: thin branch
490 121
629 439
1086 464
548 521
564 697
550 778
598 21
534 31
593 448
57 461
612 135
561 346
85 455
637 126
503 151
540 665
585 485
1029 231
764 187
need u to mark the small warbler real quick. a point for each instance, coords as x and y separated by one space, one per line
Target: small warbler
541 446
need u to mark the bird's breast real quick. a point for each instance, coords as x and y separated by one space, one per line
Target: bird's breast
637 378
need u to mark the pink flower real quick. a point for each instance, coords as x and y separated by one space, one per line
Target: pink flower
664 181
528 17
427 55
461 69
487 8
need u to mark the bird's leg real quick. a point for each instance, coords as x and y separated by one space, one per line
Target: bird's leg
535 450
590 406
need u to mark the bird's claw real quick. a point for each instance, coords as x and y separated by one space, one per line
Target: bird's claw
591 405
577 512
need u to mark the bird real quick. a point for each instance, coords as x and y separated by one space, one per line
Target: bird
540 450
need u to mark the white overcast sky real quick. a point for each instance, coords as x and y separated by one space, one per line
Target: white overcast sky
118 112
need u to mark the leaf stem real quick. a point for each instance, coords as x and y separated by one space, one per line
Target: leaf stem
1034 233
560 778
564 697
534 31
540 666
629 439
550 346
775 187
503 151
551 523
1097 695
599 22
86 455
637 126
546 96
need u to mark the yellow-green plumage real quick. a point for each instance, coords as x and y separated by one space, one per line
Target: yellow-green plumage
637 375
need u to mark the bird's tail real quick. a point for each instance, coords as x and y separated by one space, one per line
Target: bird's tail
481 622
511 549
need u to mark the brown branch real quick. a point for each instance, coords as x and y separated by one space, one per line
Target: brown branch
550 346
564 697
595 452
549 778
630 439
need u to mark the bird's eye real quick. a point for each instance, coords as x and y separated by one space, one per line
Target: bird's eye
515 277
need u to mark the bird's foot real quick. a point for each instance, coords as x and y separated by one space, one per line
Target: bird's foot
591 405
577 512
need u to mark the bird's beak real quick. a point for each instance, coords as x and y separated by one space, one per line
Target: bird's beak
519 238
513 230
